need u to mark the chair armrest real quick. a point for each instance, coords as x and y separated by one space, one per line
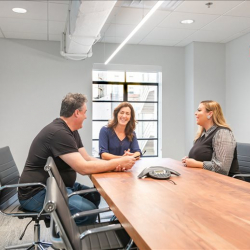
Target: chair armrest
13 199
241 175
83 192
101 229
94 211
23 185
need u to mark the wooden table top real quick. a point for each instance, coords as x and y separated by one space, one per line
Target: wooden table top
204 210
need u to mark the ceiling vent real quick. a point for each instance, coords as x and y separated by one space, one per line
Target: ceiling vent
84 23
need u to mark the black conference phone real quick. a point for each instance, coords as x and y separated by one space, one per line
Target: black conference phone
158 172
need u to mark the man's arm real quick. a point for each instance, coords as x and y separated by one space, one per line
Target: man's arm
86 156
80 165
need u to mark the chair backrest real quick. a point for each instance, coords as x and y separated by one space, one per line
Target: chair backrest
243 155
52 169
9 174
56 204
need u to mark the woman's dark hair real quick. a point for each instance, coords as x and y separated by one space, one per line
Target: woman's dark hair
71 102
130 127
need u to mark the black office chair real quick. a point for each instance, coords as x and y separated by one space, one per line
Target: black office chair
243 155
65 234
52 169
9 203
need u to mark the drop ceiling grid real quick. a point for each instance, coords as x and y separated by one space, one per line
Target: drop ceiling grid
203 17
44 19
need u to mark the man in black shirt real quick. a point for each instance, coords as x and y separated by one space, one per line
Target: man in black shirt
61 140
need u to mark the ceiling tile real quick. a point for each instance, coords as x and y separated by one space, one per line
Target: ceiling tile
242 9
229 23
231 38
159 42
129 16
110 39
46 19
119 30
175 18
218 7
56 27
114 12
169 34
124 30
58 12
35 10
139 4
30 36
213 36
154 20
23 25
61 2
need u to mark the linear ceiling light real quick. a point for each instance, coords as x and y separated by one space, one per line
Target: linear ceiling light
150 13
19 10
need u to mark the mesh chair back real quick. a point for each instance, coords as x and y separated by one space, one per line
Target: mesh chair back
69 231
53 171
8 175
243 154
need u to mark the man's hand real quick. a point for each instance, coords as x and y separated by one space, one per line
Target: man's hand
126 162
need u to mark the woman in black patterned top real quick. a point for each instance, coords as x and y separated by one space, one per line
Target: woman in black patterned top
214 146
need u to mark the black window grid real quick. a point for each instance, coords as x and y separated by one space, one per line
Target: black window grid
125 99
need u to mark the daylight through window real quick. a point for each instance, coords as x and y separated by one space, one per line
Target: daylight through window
110 88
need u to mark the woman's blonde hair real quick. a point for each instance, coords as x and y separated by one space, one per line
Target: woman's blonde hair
217 117
130 127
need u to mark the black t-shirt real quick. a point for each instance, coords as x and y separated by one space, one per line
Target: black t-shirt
53 140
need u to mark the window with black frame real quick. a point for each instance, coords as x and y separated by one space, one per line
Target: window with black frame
110 88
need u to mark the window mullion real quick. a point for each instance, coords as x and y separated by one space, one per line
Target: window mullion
114 98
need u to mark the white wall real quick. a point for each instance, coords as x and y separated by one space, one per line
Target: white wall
189 97
209 73
238 87
171 60
204 80
34 78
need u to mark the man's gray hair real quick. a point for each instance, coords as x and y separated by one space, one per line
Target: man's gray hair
71 102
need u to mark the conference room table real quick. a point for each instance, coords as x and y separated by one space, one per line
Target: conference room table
204 210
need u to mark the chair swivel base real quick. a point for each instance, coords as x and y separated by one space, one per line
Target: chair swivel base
37 244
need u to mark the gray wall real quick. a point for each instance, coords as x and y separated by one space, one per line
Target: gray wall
171 60
189 97
238 87
204 80
34 78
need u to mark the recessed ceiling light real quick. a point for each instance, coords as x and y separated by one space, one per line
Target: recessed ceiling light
187 21
19 10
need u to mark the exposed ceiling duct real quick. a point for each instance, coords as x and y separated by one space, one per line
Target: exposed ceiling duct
82 31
